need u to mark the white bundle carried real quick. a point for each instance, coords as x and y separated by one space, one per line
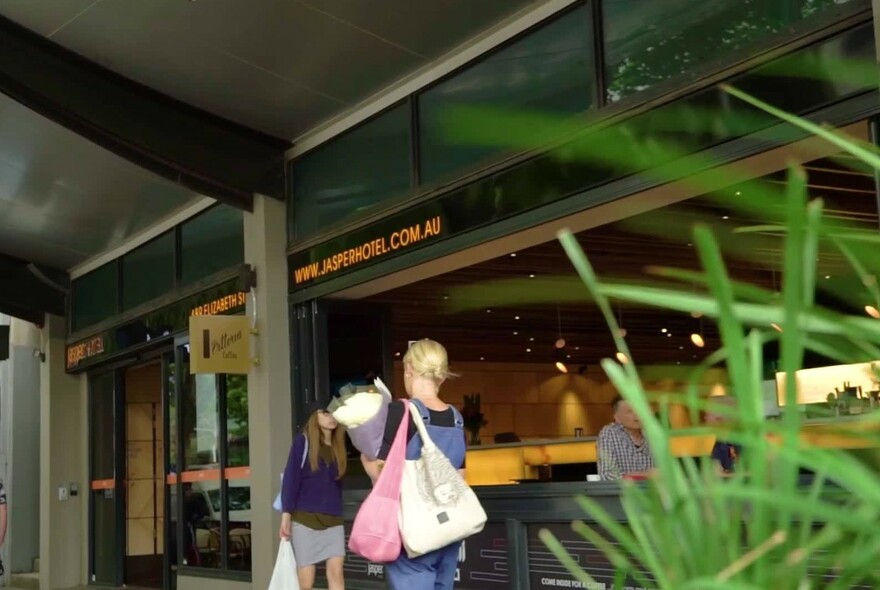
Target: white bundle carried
363 411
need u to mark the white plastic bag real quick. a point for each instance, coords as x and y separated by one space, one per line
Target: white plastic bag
284 576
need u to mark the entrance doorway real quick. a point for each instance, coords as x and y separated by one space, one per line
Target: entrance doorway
144 473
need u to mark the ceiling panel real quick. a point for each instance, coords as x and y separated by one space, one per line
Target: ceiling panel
428 28
64 199
279 66
45 16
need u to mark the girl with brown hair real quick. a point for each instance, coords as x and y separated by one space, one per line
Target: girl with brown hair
311 500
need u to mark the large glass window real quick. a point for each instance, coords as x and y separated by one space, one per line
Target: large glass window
649 42
148 272
215 478
95 296
211 242
351 173
549 70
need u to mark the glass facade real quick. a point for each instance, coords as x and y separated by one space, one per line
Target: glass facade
197 249
95 296
548 71
211 242
366 166
148 272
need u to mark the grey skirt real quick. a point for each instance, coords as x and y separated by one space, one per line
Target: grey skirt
311 546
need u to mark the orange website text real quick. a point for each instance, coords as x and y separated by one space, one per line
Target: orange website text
398 240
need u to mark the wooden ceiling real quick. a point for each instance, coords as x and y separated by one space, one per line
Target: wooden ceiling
505 320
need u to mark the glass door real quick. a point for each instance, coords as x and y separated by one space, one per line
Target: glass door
105 489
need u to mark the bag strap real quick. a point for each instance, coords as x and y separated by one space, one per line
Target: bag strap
423 433
389 486
459 419
423 410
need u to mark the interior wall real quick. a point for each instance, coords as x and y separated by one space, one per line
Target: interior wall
144 460
536 401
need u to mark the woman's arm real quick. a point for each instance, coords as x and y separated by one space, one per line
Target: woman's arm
290 484
373 467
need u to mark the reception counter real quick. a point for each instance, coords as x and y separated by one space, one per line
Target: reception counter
508 464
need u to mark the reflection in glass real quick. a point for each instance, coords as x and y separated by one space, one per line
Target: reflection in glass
351 173
148 272
211 242
649 42
95 296
201 524
201 422
237 439
238 505
548 70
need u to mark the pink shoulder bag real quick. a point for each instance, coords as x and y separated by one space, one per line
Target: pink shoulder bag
375 534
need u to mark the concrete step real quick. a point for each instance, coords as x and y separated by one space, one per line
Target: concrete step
25 581
36 569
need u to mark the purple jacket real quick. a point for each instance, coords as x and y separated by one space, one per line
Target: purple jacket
310 491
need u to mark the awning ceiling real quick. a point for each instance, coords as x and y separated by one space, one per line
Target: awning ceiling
279 67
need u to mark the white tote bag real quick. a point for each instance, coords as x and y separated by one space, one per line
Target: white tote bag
437 507
284 576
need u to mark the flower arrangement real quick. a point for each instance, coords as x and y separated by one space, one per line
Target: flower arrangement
473 417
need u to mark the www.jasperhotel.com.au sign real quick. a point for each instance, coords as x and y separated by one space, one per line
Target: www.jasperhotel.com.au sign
399 239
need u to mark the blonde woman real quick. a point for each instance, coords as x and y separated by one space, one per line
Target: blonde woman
425 368
311 500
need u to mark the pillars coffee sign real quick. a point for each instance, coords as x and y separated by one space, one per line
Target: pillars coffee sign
219 344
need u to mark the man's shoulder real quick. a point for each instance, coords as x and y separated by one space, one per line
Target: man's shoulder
608 430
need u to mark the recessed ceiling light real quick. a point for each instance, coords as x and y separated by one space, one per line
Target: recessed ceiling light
827 276
528 350
531 339
698 341
725 217
396 354
513 254
516 317
516 333
561 367
577 347
531 276
568 356
446 297
663 330
669 335
488 311
482 358
738 193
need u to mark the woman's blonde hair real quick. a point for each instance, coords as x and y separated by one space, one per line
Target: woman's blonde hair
312 432
428 359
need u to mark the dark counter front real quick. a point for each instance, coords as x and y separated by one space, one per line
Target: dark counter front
508 554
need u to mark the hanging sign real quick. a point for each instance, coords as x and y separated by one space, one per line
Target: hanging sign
219 344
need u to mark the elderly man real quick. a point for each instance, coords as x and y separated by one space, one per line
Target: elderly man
622 449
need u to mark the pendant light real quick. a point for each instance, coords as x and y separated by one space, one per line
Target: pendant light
560 343
697 339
